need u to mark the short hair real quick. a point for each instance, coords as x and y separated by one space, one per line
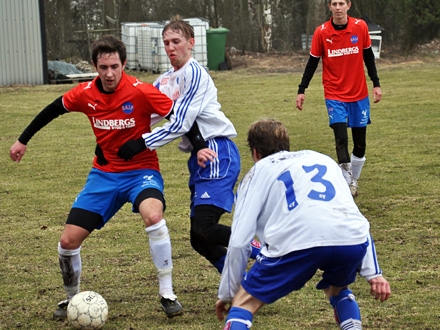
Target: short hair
177 24
347 1
108 44
268 136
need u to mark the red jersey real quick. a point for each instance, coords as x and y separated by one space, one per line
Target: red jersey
343 74
118 117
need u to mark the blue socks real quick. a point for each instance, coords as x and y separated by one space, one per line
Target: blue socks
346 309
238 319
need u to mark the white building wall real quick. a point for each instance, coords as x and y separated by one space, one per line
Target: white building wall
22 50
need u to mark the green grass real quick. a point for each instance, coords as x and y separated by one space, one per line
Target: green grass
399 194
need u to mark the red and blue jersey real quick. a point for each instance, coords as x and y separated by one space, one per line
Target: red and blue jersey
343 73
118 117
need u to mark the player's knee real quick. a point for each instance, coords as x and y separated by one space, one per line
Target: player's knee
70 242
158 231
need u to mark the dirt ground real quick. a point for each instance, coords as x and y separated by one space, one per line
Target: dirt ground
295 62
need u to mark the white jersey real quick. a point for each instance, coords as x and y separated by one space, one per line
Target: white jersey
195 98
292 201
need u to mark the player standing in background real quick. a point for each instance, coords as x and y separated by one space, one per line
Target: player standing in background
119 108
194 94
344 44
300 207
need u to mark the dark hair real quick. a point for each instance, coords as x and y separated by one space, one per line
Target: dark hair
108 44
177 24
268 136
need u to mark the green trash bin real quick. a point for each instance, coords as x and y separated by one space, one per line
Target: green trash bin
216 44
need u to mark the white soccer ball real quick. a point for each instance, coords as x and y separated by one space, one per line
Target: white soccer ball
87 310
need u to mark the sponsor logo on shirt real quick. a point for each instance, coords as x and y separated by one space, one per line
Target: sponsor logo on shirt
127 107
164 81
110 124
354 39
343 51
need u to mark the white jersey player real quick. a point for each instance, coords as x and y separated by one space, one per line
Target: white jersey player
214 163
301 209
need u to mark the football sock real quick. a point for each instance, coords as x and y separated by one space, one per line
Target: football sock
160 250
256 248
238 319
347 314
220 263
347 171
70 265
356 166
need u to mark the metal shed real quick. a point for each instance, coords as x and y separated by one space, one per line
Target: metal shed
23 54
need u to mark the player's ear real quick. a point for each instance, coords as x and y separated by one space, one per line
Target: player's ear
123 65
192 41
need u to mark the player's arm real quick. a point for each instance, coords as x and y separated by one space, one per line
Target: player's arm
250 200
309 71
370 270
133 147
372 73
48 114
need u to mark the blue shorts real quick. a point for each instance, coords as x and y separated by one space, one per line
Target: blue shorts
105 193
214 184
355 114
270 279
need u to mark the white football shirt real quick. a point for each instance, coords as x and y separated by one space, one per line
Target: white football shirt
195 98
291 201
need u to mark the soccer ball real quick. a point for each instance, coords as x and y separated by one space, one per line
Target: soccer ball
87 310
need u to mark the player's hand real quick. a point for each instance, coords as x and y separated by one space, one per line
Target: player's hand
17 151
300 101
221 309
380 288
377 94
131 148
204 155
100 158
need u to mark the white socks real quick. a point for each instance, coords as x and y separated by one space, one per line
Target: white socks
160 250
70 265
356 166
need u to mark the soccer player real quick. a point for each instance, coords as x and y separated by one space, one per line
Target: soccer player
301 209
213 170
344 44
119 108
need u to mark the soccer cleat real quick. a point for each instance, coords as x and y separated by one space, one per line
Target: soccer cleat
354 188
61 311
171 307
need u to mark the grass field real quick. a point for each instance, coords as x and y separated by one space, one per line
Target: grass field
399 194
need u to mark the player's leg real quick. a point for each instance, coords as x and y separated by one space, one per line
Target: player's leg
151 204
79 225
341 140
338 114
339 272
243 308
91 209
208 237
358 155
359 118
346 309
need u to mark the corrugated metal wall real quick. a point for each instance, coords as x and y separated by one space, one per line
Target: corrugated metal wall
22 42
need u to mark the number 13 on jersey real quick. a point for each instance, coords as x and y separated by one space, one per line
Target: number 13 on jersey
327 195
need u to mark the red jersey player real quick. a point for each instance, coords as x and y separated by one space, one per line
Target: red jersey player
119 108
344 45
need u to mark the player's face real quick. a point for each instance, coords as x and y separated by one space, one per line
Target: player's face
177 47
110 70
339 9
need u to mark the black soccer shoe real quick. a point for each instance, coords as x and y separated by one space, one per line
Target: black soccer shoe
171 307
61 311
